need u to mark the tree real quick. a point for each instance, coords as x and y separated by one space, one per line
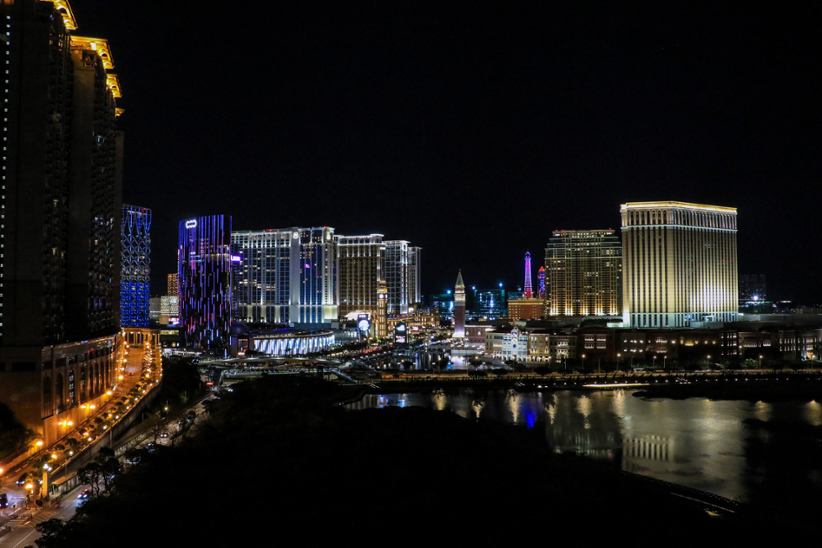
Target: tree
50 531
109 467
90 475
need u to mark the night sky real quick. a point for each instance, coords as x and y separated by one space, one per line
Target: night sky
474 133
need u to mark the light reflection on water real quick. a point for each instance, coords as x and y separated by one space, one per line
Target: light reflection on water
695 442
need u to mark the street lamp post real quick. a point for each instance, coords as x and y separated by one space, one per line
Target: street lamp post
619 358
583 363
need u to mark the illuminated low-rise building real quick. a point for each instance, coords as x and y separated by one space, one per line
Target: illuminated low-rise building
488 303
529 345
526 309
291 343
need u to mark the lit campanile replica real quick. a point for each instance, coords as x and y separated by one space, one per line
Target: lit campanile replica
204 278
679 264
60 211
459 307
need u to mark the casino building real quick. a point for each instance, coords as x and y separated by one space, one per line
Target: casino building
679 264
286 275
204 277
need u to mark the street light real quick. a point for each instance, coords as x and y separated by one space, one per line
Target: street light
583 363
619 358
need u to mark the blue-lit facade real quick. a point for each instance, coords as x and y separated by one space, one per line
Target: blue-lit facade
443 304
489 303
204 271
317 274
286 275
135 268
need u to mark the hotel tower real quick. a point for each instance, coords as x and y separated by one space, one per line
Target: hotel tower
679 264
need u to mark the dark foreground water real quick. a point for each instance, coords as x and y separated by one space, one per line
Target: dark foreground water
769 453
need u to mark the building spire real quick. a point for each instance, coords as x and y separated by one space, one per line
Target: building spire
459 307
528 288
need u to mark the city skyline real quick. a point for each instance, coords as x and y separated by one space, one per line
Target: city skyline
630 201
540 150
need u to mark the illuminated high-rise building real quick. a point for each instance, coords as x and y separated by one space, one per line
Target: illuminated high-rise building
204 269
541 280
414 282
286 275
584 273
396 275
135 274
528 291
172 284
60 202
679 264
362 285
459 307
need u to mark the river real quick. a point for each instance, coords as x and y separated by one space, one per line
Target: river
747 451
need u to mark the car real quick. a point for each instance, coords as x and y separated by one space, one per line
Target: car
82 498
163 435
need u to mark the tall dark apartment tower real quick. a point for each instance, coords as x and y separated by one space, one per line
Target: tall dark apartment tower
59 214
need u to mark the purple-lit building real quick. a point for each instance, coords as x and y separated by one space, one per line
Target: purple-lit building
204 273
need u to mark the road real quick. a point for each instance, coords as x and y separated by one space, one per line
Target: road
137 362
23 529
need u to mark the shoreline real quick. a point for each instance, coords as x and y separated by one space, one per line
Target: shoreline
778 388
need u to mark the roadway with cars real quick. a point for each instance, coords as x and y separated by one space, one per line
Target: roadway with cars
22 520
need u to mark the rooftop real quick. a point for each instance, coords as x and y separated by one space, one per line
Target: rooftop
676 205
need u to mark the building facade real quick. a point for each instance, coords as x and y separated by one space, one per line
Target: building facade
526 309
489 303
397 275
172 284
286 276
414 281
135 274
362 286
60 202
204 271
679 264
584 273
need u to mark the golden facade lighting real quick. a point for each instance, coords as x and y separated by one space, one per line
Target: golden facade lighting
679 264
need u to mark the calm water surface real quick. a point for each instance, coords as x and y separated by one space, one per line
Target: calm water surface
697 442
